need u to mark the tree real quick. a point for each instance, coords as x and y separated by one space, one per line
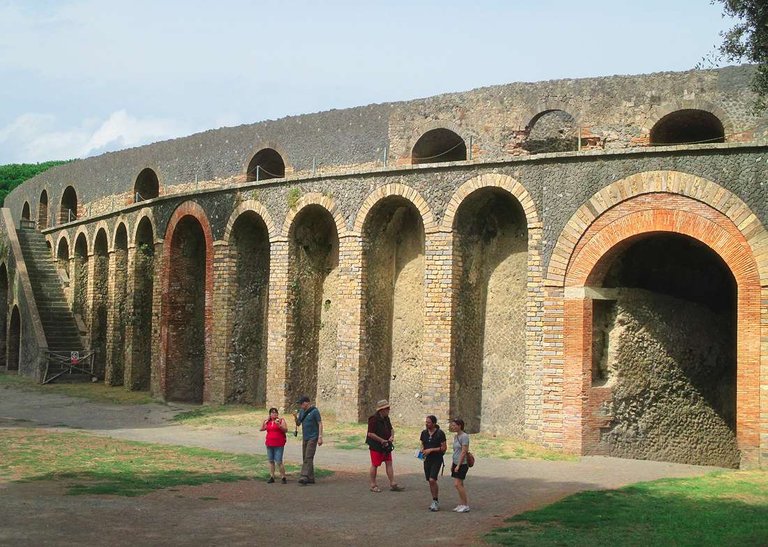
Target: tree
748 41
13 174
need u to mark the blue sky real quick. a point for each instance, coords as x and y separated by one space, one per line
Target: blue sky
81 77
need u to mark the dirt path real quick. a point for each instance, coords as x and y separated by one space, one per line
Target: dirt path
336 511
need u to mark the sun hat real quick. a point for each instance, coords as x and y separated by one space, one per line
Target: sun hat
381 405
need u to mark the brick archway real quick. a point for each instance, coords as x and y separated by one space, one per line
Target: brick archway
662 203
183 213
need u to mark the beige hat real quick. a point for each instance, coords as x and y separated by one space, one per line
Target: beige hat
381 405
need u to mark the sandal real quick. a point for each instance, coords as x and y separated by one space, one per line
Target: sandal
397 488
375 489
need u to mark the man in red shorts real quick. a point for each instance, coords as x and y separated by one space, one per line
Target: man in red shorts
379 440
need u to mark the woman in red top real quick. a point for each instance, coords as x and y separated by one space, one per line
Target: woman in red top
275 439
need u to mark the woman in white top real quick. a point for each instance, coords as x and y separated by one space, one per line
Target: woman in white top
459 466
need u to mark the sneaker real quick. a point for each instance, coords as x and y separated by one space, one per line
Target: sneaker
462 509
283 480
457 508
271 480
434 506
303 480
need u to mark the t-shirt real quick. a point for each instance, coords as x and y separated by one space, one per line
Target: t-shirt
459 440
310 426
381 427
275 436
433 441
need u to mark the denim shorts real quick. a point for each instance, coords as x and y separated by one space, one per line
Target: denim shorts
275 453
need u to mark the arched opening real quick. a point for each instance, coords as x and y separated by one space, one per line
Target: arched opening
142 294
185 350
80 278
688 126
552 131
68 209
120 318
100 302
266 164
42 211
439 145
490 268
664 344
393 307
62 262
313 307
147 186
14 340
247 362
3 314
25 211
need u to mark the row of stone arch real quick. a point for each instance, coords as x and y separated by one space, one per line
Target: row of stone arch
551 130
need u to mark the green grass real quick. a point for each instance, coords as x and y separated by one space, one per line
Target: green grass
723 508
96 392
88 464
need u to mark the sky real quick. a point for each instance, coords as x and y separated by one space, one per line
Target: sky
82 77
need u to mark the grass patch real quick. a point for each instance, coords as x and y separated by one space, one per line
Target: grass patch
723 508
96 392
351 436
98 465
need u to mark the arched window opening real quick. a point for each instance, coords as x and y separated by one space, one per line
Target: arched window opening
138 374
491 264
42 211
99 303
666 321
68 209
439 145
688 126
552 131
266 164
62 261
147 186
25 211
119 304
80 278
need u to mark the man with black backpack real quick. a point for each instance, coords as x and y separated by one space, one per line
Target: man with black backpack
380 439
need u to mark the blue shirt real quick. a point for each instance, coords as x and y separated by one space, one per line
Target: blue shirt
310 426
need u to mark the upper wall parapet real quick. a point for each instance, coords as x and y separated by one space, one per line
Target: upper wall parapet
495 123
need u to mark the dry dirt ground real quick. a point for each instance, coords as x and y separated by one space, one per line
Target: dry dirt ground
338 510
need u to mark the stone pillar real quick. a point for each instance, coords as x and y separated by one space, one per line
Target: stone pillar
219 382
157 381
277 319
534 331
349 329
438 323
111 371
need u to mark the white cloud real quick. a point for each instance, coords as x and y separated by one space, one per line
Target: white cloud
37 137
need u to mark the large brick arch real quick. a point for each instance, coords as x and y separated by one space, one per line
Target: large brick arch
389 190
259 209
313 198
661 202
186 209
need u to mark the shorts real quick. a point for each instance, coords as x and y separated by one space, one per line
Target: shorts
459 472
432 467
275 453
377 458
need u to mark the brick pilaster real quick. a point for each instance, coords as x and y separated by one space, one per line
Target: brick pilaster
350 329
277 317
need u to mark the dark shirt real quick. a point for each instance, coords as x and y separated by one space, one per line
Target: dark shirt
381 426
435 441
310 425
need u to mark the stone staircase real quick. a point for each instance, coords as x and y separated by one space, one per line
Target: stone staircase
59 324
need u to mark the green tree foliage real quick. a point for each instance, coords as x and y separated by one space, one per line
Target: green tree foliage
748 40
13 174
